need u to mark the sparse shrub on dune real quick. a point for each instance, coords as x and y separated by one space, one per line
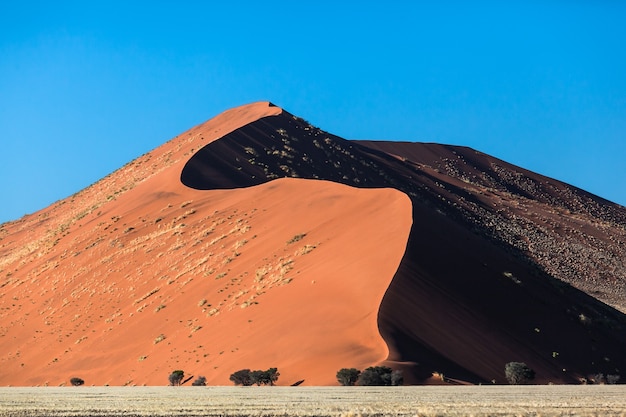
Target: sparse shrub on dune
77 382
518 373
296 238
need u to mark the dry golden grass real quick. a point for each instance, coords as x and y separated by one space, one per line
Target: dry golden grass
544 401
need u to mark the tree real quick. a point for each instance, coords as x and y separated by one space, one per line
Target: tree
375 375
242 377
176 377
247 377
518 373
268 377
76 382
257 377
397 378
271 376
348 376
199 382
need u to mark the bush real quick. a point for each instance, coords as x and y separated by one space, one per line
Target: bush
375 375
348 376
247 377
598 379
602 379
397 378
612 379
199 382
270 376
241 377
176 377
265 377
256 377
76 382
518 373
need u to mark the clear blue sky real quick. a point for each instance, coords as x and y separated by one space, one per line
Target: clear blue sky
87 86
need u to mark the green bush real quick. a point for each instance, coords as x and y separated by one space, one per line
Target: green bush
518 373
247 377
176 377
265 377
76 382
348 376
241 377
380 375
397 378
199 382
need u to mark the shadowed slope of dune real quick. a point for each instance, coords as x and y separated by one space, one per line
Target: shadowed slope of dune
484 265
476 288
182 241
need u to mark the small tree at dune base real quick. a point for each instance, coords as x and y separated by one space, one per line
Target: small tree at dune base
518 373
397 378
268 377
256 377
348 376
380 376
199 382
247 377
241 377
176 377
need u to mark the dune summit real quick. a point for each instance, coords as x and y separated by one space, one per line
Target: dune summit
257 240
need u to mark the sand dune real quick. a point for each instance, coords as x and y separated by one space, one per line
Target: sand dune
256 240
213 274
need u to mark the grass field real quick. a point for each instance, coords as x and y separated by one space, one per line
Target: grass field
544 401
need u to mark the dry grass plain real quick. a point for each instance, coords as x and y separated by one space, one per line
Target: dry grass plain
544 401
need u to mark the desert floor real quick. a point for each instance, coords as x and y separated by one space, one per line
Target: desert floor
602 400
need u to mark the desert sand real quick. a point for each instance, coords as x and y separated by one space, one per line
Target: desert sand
287 274
257 240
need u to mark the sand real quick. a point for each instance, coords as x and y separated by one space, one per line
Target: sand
287 274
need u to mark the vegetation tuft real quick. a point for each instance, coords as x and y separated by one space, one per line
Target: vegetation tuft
348 376
372 376
176 377
77 382
296 238
199 382
246 377
518 373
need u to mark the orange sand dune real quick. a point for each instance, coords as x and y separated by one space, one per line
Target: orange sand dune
257 240
212 273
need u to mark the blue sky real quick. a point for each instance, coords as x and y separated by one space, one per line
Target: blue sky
87 86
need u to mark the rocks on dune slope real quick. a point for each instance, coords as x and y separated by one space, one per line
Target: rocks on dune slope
256 240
